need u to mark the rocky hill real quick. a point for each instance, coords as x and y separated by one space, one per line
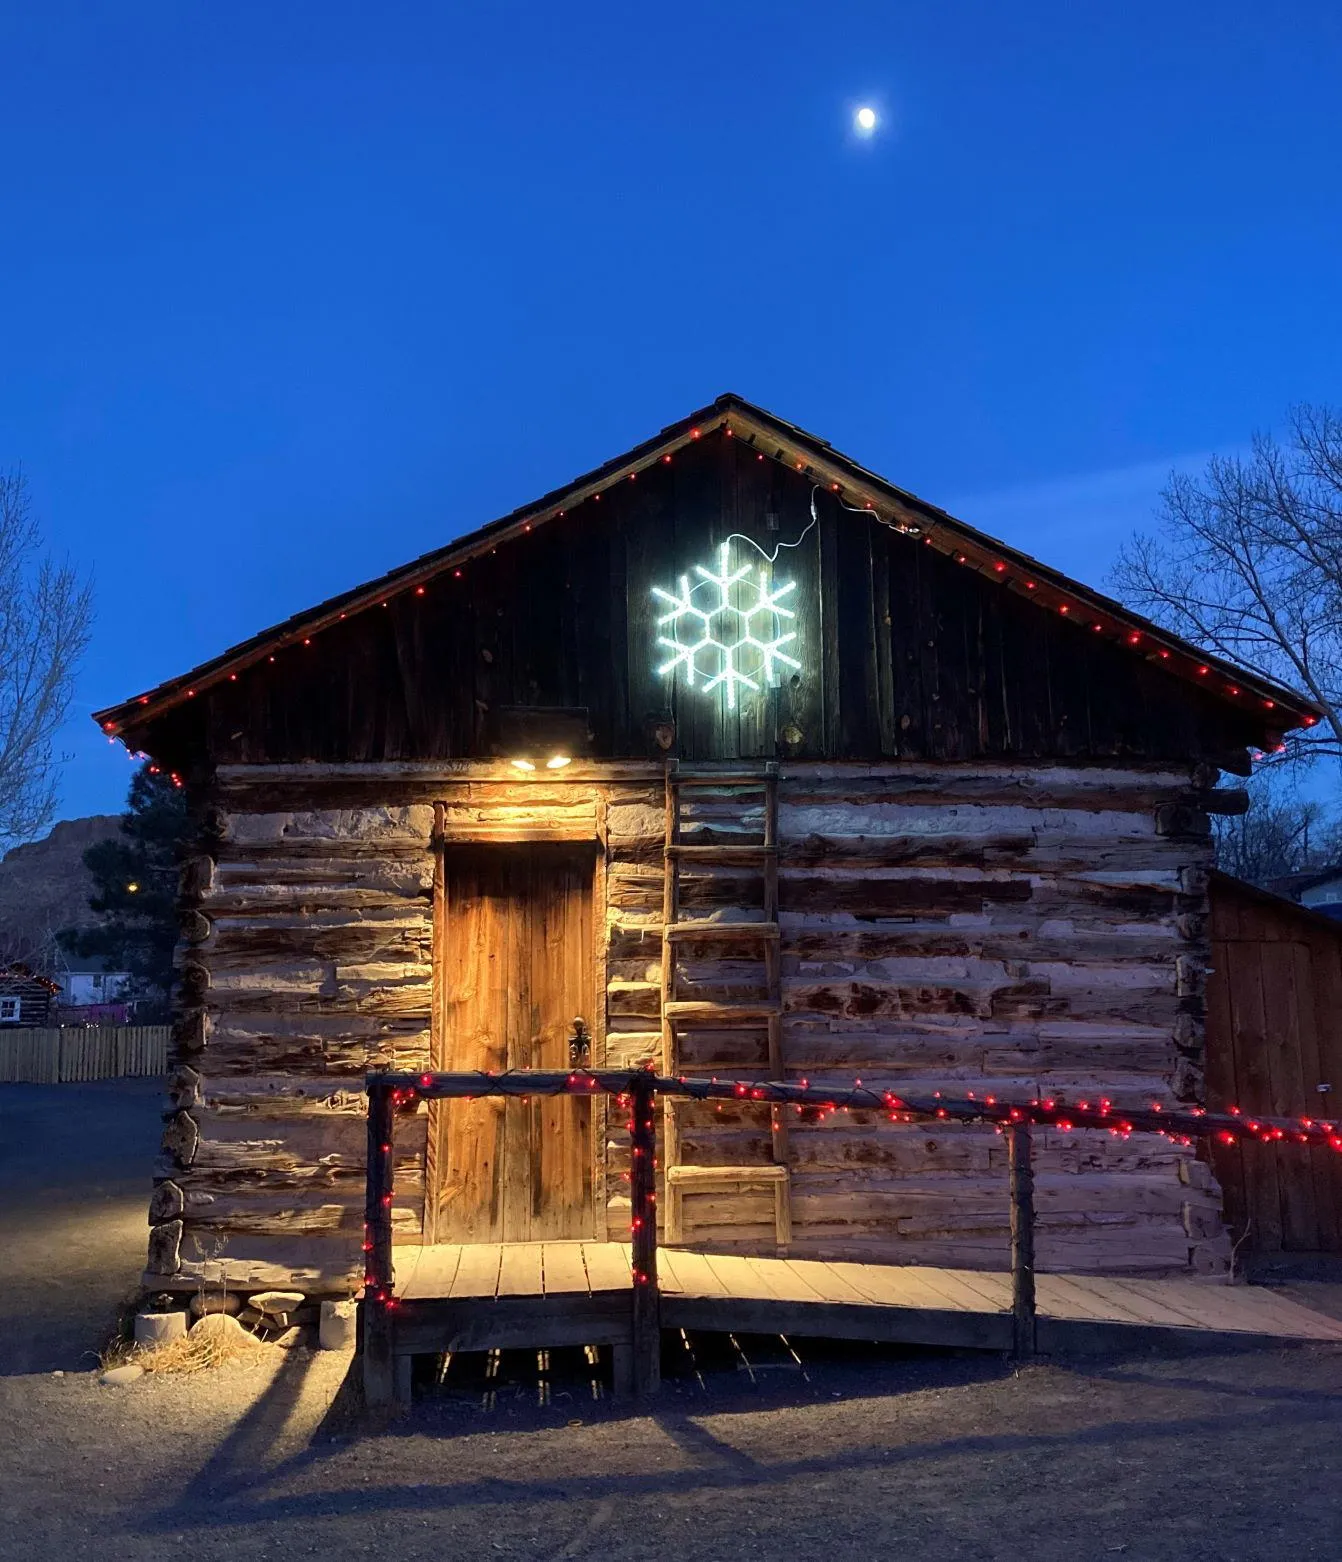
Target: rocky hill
44 887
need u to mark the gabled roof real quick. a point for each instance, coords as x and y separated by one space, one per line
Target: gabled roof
1278 707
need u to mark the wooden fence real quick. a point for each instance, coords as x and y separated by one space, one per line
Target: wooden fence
1274 1045
75 1052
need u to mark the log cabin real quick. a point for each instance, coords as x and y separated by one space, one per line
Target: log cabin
732 757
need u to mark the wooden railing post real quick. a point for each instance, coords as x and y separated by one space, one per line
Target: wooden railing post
1022 1240
646 1323
378 1382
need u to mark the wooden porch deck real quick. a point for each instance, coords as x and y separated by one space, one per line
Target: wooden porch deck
553 1293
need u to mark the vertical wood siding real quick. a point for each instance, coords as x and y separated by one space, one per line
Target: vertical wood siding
905 653
1273 1038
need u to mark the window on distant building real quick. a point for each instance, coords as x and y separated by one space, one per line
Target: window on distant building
97 978
9 1011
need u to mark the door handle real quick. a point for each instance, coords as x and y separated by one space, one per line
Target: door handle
579 1044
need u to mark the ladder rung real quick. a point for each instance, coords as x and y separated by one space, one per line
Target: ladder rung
729 854
755 783
700 1012
735 931
726 1175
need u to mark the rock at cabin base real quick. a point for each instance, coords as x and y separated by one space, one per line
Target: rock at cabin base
294 1339
276 1303
116 1377
337 1326
249 1317
224 1330
159 1328
218 1302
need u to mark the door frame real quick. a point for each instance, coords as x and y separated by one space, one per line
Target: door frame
483 831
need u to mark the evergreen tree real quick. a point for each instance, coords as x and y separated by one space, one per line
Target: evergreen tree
135 892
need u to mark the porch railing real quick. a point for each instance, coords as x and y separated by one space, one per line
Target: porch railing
388 1092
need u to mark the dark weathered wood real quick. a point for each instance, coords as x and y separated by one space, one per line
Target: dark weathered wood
1272 1038
646 1330
375 1317
1021 1175
903 644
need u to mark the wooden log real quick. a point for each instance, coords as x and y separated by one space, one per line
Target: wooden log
378 1368
1022 1240
646 1321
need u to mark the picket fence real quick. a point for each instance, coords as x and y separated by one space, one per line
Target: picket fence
76 1052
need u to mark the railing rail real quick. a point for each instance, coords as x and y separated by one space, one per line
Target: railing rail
389 1092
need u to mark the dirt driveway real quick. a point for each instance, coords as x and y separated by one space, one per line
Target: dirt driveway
75 1166
845 1455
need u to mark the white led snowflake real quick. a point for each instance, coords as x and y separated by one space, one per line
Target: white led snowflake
726 628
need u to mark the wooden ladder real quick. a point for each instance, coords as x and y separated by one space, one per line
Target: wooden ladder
680 1016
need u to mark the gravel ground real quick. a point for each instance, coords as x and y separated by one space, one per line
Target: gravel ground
1220 1457
844 1454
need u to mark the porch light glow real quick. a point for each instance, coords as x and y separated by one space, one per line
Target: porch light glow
726 628
522 764
558 761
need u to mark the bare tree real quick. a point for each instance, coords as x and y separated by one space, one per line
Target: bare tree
1281 834
1248 563
46 616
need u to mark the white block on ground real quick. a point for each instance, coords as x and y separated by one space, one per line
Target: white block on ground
337 1325
159 1328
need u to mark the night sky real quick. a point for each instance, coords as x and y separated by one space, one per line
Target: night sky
289 294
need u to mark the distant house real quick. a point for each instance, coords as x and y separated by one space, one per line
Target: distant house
1320 889
26 999
90 992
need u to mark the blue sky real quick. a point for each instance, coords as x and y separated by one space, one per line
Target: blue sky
291 293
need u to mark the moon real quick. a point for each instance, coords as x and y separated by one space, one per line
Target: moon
865 121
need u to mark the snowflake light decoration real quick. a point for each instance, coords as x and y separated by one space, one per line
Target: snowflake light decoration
726 628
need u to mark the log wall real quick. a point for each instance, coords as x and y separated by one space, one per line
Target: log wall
975 927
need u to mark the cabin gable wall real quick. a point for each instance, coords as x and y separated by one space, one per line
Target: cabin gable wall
905 653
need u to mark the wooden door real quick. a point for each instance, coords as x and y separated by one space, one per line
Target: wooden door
515 968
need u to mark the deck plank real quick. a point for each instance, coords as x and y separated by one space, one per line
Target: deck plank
607 1267
995 1289
563 1272
903 1285
823 1280
1057 1297
695 1276
735 1273
783 1281
434 1270
1125 1306
668 1278
478 1272
520 1269
1241 1309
